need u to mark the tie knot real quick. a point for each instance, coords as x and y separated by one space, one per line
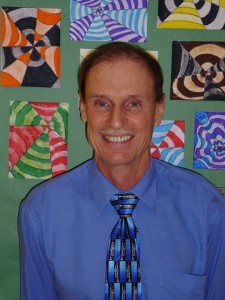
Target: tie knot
124 204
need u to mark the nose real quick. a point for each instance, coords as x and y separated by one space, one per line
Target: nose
117 117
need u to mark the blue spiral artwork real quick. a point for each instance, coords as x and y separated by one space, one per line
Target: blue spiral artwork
209 140
119 20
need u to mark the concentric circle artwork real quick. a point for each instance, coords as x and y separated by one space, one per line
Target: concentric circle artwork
191 14
118 20
38 139
209 140
30 40
198 71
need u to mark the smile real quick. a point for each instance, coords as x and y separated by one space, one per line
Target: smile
118 139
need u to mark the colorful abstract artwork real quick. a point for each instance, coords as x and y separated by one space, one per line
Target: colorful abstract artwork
209 140
38 139
168 142
102 20
191 14
30 40
198 71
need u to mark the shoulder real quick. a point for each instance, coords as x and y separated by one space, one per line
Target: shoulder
194 197
187 186
58 189
181 176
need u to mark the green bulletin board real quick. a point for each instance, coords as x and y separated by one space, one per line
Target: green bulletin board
14 190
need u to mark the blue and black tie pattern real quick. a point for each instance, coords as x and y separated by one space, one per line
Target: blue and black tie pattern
123 278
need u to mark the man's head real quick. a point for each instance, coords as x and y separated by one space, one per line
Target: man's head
121 101
121 51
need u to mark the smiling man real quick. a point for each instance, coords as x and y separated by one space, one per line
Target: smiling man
121 109
122 225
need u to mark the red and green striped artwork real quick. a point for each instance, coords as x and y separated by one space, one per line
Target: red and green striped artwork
38 139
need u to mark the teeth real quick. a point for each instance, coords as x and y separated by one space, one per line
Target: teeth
118 139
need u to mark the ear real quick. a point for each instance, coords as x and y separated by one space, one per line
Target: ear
82 107
159 110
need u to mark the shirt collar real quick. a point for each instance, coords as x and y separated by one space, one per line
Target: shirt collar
102 190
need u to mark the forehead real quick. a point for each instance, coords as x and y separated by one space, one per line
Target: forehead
119 80
119 69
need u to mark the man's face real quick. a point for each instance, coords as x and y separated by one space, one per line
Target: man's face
120 112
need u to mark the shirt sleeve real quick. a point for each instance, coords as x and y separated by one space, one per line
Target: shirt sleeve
37 278
215 268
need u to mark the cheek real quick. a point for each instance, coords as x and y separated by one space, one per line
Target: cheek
144 123
92 133
145 132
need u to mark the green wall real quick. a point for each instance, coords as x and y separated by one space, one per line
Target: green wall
14 190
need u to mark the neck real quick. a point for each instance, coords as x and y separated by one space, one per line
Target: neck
123 177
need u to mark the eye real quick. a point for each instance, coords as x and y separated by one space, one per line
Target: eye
133 104
102 103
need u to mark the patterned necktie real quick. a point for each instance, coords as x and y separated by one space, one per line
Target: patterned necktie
123 279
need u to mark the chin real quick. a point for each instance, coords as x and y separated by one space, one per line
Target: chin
113 160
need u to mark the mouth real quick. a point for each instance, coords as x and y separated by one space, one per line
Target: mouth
118 139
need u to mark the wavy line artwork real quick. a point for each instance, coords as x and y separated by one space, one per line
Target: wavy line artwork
209 140
105 20
30 40
191 14
168 142
198 71
38 139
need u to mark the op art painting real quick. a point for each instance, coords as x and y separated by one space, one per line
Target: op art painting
38 139
198 71
191 14
102 20
30 47
168 142
209 140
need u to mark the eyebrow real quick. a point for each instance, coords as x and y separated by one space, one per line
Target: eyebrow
107 97
96 95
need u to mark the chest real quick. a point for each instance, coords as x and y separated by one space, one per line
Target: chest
171 252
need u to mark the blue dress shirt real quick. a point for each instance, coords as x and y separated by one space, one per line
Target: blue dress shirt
65 223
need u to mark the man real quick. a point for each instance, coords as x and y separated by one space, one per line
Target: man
175 238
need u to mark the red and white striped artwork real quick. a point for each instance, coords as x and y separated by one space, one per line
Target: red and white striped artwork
168 142
38 139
